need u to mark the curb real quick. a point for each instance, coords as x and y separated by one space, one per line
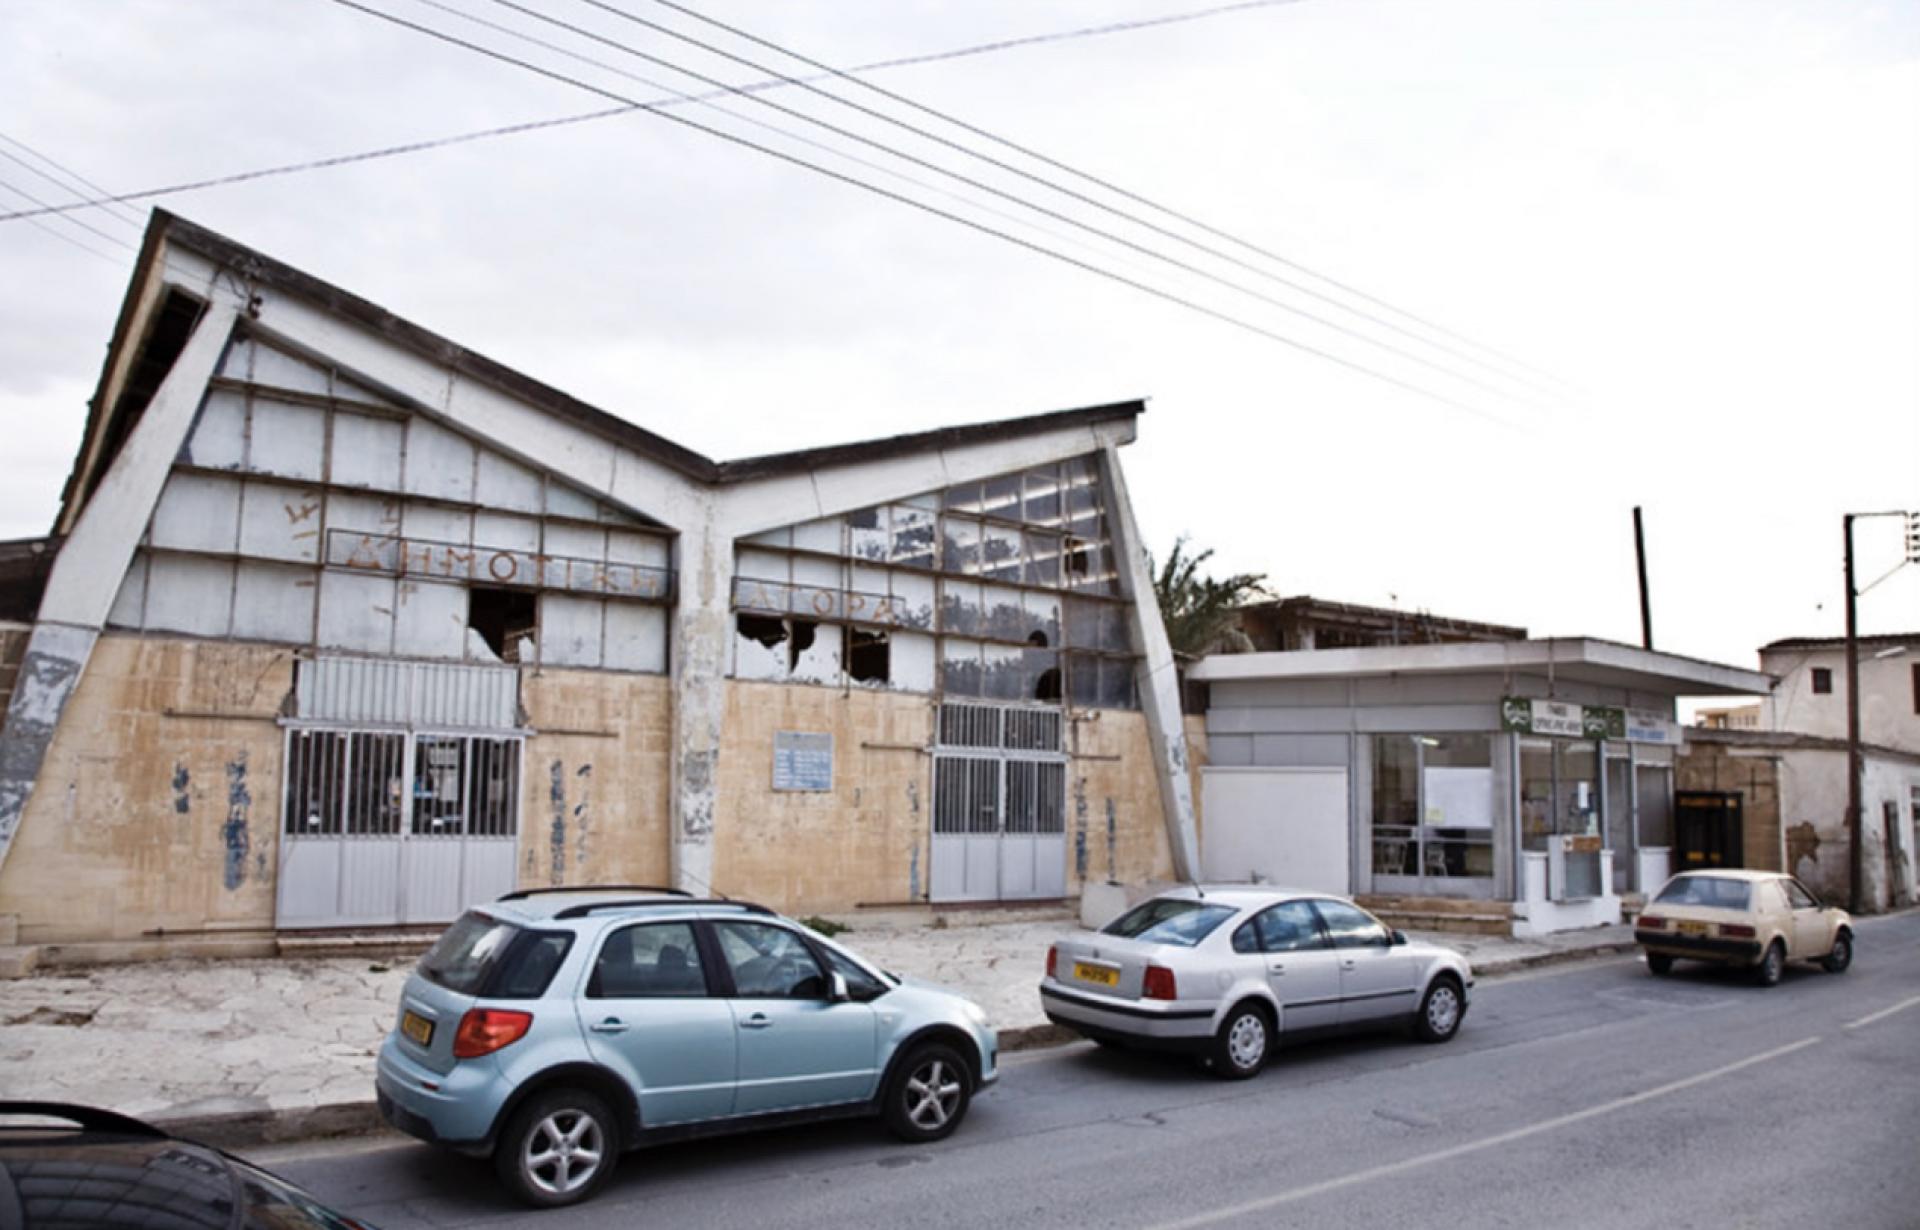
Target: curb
251 1128
1509 965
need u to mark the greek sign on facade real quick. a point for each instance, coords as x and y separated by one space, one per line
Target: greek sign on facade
1542 717
802 761
495 566
1551 717
820 602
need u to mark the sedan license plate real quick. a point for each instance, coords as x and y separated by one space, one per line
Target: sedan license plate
1095 973
1692 928
416 1027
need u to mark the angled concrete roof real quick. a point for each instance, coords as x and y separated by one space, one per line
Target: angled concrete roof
105 427
1583 659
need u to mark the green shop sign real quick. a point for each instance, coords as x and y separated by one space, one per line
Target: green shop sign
1567 721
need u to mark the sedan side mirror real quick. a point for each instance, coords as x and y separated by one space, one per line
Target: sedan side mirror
837 988
1399 938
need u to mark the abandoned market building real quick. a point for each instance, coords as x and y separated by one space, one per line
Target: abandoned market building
343 625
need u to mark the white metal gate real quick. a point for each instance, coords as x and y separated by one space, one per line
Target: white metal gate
384 822
999 804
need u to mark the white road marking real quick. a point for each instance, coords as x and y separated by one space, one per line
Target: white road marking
1869 1019
1490 1142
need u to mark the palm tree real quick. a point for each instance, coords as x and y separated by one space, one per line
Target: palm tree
1202 615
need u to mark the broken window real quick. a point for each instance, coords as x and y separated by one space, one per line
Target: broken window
867 655
503 620
771 648
764 628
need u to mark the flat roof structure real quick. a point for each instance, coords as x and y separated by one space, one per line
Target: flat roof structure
1580 659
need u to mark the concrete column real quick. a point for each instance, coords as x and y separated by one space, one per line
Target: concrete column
702 638
93 562
1156 678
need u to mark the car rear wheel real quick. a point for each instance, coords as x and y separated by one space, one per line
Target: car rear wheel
1659 964
557 1148
929 1094
1837 961
1772 965
1440 1011
1240 1048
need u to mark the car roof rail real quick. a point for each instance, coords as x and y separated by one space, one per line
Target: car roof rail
89 1118
594 907
521 894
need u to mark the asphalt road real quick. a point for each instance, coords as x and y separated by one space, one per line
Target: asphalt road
1590 1095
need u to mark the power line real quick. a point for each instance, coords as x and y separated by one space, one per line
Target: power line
130 215
901 99
979 185
854 181
69 219
706 100
507 130
62 236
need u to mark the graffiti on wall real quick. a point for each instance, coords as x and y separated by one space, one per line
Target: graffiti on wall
237 834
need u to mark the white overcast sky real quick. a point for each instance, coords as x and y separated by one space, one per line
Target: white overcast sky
1699 214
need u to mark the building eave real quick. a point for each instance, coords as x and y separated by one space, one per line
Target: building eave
1583 659
1878 639
1790 741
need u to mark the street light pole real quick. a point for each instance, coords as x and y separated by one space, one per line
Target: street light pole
1854 854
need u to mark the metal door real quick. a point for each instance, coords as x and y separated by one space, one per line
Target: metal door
999 805
386 827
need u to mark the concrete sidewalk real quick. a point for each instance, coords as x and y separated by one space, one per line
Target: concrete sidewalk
239 1052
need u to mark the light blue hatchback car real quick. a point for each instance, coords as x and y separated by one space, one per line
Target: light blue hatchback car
554 1029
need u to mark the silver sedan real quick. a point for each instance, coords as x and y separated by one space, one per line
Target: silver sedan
1226 972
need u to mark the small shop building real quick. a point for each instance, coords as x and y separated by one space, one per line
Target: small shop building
342 625
1535 777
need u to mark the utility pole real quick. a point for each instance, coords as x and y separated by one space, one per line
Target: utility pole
1646 607
1855 857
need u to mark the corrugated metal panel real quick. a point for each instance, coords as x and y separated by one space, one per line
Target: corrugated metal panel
420 694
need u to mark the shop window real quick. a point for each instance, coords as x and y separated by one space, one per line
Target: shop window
1822 681
1433 805
867 655
503 620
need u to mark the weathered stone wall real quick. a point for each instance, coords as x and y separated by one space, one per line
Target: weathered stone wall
158 803
863 842
159 806
1755 777
867 841
595 799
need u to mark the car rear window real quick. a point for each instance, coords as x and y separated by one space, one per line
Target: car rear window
1713 891
1168 920
479 955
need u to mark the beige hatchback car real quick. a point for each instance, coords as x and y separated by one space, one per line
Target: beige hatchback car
1758 919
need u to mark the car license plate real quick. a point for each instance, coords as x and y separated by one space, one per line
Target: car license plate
1692 928
1095 973
417 1027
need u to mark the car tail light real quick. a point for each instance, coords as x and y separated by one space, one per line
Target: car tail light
1053 961
1738 930
1159 983
485 1030
1650 922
